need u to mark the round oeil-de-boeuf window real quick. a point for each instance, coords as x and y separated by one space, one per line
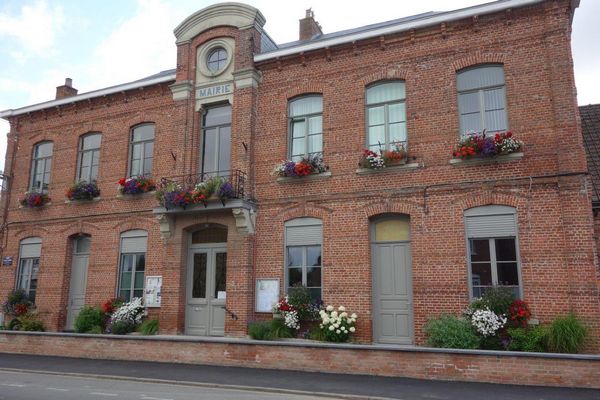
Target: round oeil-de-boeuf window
217 59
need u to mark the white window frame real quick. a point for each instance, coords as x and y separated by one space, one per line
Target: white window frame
143 157
314 242
388 145
41 162
133 234
305 118
82 152
34 252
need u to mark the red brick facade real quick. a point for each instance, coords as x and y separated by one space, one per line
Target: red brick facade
548 187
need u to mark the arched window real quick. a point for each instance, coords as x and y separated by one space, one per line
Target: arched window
134 244
89 157
303 254
40 166
305 116
492 248
482 99
142 150
386 116
30 251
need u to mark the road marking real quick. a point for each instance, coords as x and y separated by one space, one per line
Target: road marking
153 398
104 394
57 389
12 384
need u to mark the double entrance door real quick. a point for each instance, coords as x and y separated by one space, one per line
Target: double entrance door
206 282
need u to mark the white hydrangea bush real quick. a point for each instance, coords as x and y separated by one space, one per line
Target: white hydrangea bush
487 322
337 325
132 312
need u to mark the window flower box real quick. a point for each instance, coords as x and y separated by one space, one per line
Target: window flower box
34 199
479 146
306 167
171 194
382 159
83 190
136 185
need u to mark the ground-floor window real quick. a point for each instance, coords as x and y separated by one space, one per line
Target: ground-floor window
132 264
303 254
493 250
29 264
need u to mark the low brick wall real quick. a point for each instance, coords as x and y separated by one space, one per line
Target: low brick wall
412 362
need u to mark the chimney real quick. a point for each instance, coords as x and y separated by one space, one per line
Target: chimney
309 28
66 90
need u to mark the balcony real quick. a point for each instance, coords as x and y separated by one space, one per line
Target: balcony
205 193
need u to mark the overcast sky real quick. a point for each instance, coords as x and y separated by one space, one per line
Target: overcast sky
108 42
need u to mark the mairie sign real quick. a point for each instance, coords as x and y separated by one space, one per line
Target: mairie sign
216 90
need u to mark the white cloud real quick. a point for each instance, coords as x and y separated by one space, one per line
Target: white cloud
35 28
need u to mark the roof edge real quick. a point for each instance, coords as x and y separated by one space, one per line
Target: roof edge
88 95
454 15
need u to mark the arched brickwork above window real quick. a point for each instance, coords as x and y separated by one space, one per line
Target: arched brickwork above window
381 207
489 198
304 90
388 74
304 210
478 58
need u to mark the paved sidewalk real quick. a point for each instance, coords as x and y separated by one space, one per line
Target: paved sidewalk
356 385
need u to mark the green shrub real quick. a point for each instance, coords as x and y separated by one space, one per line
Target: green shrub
122 328
299 297
566 334
491 343
528 339
96 330
316 334
149 327
14 325
451 332
498 299
260 330
88 318
279 330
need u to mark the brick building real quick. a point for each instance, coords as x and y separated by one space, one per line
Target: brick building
395 245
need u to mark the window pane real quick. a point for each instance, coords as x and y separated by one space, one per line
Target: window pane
91 142
313 276
138 293
480 249
481 274
294 276
377 135
82 245
398 132
126 280
86 163
199 278
135 167
385 92
298 146
494 99
124 294
315 125
136 151
213 234
224 148
505 250
315 293
218 116
376 116
495 121
392 230
397 112
313 256
508 274
210 150
469 103
294 256
140 262
43 150
315 143
298 129
485 76
143 132
148 150
306 105
127 262
220 273
94 173
470 122
139 280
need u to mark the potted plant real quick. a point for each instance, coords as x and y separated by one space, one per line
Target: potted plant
34 199
83 190
313 164
136 185
479 144
171 195
384 158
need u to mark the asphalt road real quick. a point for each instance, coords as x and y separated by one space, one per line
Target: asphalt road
35 386
279 381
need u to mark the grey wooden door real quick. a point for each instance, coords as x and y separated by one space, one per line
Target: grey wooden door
392 293
79 269
206 281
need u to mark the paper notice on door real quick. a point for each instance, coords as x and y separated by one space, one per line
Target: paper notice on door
221 295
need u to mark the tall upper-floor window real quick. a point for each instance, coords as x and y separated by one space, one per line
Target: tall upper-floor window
493 251
482 99
386 116
216 143
303 248
306 126
142 150
30 251
40 166
89 157
134 244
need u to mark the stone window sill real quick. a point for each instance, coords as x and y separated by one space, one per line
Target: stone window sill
95 199
313 177
486 160
136 196
400 167
21 207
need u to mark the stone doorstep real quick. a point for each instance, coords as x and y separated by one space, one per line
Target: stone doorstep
308 344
